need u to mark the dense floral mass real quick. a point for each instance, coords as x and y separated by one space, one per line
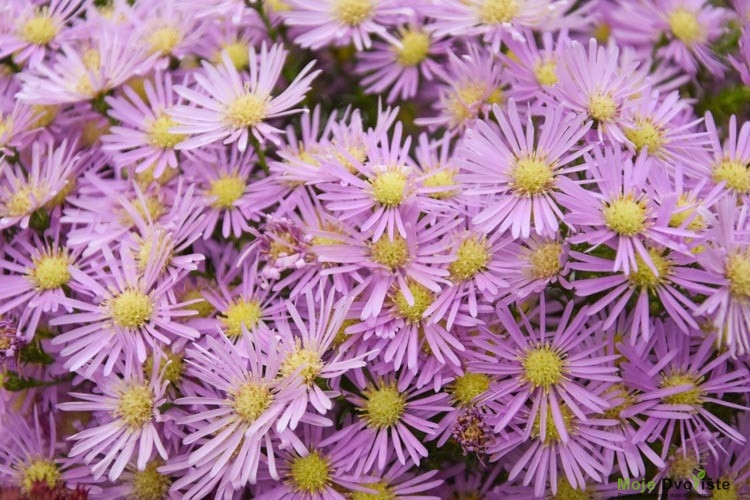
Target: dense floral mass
374 249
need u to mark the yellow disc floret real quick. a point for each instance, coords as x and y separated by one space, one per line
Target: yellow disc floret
226 190
551 432
685 26
247 110
423 298
40 29
472 257
546 73
39 471
602 107
149 483
498 11
690 396
415 45
391 253
309 474
625 215
531 176
545 260
136 405
163 40
20 203
543 366
131 309
646 134
468 386
159 134
566 492
306 361
388 188
251 400
50 270
734 173
644 277
237 53
241 313
384 406
441 178
353 12
383 492
738 273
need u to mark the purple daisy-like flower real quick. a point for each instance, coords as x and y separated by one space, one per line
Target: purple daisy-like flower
341 22
533 264
390 412
534 69
144 138
127 314
235 412
228 106
545 369
622 213
522 185
130 413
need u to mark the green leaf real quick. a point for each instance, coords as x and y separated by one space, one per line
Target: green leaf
701 474
33 353
14 382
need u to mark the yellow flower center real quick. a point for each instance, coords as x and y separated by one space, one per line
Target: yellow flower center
136 406
150 484
241 313
384 406
678 218
39 471
92 59
148 209
620 392
352 12
602 107
531 176
472 257
247 110
691 396
159 134
306 361
172 367
441 178
738 274
566 492
310 474
251 400
388 188
625 216
40 29
415 47
237 53
646 134
682 466
546 73
462 102
226 190
391 253
543 366
382 489
644 277
468 386
685 27
164 39
545 260
734 173
43 115
551 434
85 87
131 309
730 493
341 334
50 270
20 203
276 5
423 298
602 32
498 11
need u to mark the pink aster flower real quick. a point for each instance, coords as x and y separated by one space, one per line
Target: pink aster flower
550 371
144 136
341 22
33 182
128 407
401 482
598 85
530 266
127 314
228 106
522 185
741 61
399 67
86 70
391 410
235 415
534 68
622 212
37 28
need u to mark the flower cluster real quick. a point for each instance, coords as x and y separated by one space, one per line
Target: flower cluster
352 249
